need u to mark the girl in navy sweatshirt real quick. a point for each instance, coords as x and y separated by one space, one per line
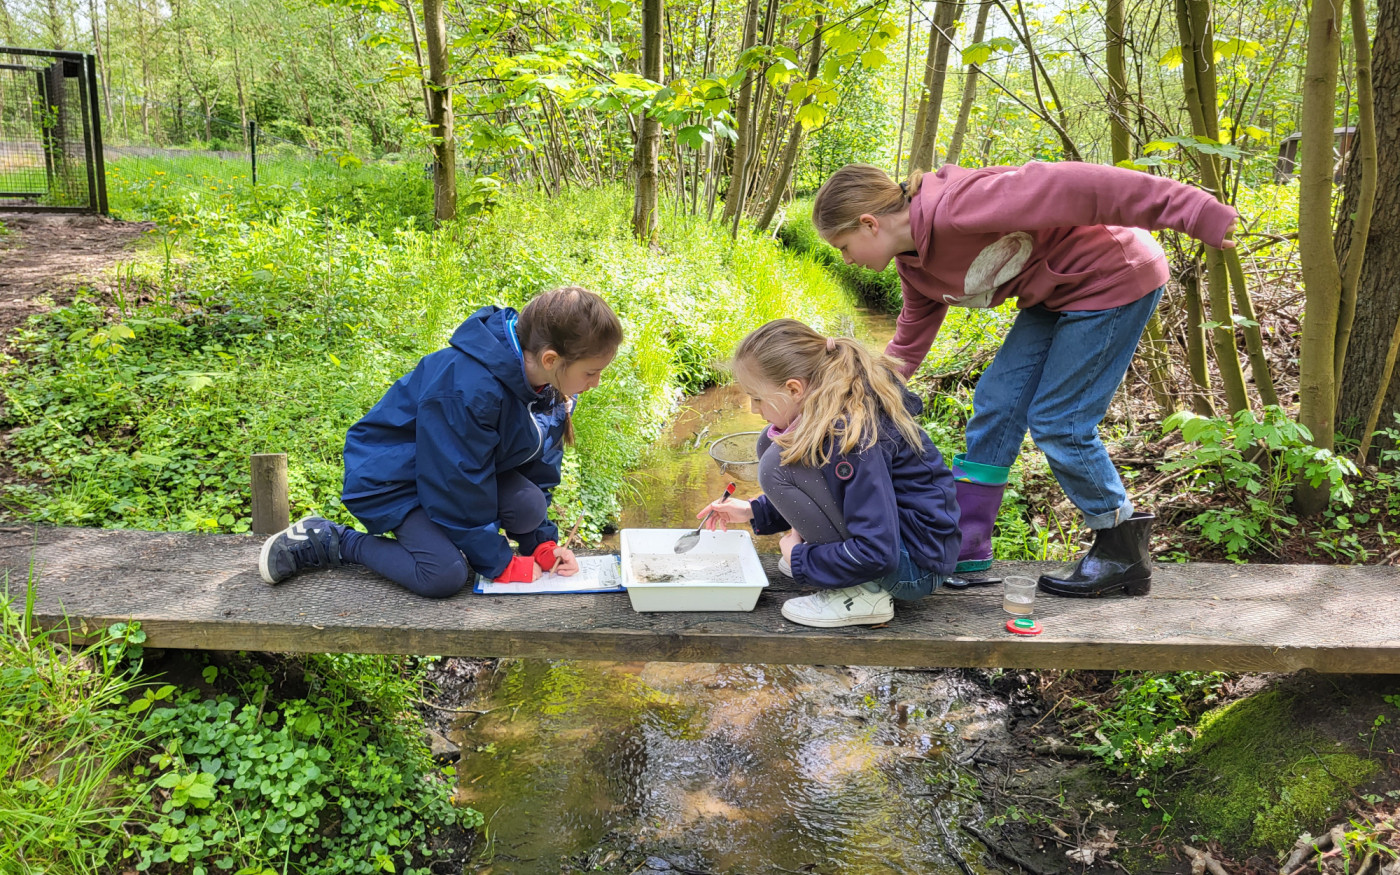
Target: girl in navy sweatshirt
466 446
867 503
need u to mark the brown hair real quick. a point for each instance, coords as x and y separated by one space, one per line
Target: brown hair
849 389
858 189
575 323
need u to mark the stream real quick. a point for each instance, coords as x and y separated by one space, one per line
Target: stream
714 768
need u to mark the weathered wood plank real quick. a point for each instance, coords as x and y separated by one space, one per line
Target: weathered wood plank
203 592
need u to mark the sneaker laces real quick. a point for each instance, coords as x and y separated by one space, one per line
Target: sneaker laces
310 553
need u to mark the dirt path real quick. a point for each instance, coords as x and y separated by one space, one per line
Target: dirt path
43 256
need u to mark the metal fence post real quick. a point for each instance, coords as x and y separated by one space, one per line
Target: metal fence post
253 148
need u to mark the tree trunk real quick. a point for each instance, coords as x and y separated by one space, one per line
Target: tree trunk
1366 149
1322 279
440 114
1196 343
418 54
784 171
904 88
103 61
743 117
1367 392
969 89
644 219
922 152
1117 84
1199 85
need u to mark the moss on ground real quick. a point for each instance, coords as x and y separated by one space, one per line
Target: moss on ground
1257 775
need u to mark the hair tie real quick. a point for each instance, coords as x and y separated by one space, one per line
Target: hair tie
904 189
831 344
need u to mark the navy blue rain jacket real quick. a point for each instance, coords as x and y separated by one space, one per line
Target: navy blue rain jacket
889 493
440 435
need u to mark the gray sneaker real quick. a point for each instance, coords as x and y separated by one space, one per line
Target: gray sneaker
784 566
311 542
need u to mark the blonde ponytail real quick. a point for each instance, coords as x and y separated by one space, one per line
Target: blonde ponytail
849 390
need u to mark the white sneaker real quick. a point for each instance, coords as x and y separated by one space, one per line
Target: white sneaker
850 606
785 566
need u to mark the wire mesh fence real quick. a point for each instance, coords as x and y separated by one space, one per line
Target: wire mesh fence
50 132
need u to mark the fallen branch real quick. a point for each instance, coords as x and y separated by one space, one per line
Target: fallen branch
948 847
1302 849
1006 855
1201 861
1056 748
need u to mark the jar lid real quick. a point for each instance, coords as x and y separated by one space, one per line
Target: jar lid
1023 626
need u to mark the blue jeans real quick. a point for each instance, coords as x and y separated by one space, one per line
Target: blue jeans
909 582
1056 373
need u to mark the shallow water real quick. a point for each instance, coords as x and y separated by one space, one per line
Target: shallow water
714 768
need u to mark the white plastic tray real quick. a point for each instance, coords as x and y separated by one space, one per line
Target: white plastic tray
720 573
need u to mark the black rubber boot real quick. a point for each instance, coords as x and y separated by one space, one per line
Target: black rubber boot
1118 560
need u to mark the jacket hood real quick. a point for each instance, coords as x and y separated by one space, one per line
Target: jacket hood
488 336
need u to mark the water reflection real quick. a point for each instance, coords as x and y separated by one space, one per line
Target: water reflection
718 768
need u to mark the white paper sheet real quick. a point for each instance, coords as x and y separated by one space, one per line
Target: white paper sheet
595 574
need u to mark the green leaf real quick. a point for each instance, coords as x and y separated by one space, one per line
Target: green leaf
210 673
811 115
873 59
694 136
1172 59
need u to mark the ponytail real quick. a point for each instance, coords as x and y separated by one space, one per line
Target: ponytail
860 189
849 390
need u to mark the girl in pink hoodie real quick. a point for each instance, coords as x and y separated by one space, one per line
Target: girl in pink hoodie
1070 243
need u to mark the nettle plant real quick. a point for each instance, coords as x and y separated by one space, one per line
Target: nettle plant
1249 465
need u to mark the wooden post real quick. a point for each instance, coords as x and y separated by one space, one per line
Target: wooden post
271 509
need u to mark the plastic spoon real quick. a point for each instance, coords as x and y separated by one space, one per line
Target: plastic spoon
690 539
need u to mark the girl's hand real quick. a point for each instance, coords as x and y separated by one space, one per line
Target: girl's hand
789 540
567 562
1229 241
730 511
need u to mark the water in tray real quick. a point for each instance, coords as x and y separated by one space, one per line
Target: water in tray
671 568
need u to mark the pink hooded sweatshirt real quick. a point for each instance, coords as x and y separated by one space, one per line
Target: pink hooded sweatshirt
1068 236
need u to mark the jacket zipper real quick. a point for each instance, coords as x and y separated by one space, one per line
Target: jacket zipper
539 432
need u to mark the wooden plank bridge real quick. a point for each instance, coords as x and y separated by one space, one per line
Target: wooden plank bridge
204 592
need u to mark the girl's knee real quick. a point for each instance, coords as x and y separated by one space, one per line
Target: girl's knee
442 581
525 512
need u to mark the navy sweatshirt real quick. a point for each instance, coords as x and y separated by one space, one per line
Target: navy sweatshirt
889 493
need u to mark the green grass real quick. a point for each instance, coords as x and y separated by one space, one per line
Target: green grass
880 291
270 322
65 733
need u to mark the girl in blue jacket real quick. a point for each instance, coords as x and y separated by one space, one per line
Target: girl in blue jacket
468 444
867 503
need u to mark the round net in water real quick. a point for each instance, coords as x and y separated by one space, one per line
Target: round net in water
737 455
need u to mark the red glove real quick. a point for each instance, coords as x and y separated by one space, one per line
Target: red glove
520 569
544 555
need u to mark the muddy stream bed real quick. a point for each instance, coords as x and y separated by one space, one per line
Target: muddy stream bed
655 767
